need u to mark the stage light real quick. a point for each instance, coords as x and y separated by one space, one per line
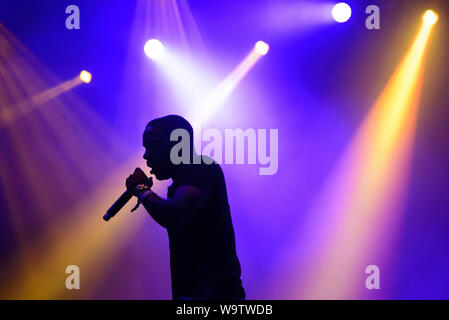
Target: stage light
367 190
63 129
430 17
154 49
210 104
262 47
341 12
85 76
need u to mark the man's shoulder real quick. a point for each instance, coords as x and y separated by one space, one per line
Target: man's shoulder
209 163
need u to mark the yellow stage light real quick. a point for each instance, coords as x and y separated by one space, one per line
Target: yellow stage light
430 17
85 76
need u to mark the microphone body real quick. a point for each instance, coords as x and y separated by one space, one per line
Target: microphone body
120 203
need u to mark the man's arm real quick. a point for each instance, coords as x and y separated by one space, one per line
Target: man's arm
175 212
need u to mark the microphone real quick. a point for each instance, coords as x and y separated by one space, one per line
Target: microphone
120 203
123 199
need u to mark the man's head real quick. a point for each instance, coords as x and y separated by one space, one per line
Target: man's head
157 144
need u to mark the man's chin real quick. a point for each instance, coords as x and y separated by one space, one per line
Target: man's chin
159 176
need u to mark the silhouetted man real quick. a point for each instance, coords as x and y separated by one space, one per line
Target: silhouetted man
203 259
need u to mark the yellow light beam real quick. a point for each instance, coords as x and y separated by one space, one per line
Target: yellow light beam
78 236
69 149
354 220
369 189
10 113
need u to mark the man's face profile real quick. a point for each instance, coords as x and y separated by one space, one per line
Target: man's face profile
157 152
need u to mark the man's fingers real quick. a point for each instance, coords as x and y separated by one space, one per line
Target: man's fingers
140 175
130 181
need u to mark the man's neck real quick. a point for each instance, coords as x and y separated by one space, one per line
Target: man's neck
177 169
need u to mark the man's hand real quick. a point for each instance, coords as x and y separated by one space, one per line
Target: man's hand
138 177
